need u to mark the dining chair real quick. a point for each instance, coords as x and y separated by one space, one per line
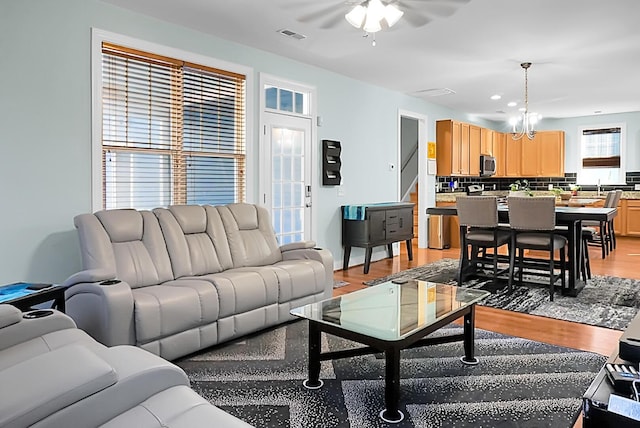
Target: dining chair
478 216
533 222
602 231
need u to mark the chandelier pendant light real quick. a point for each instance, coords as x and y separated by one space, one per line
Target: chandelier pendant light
524 125
369 15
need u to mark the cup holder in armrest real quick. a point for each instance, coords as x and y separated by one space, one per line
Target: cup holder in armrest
37 314
110 282
317 248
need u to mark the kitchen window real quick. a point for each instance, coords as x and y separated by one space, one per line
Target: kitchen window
173 132
602 155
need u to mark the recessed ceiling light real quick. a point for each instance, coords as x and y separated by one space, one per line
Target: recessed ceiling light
496 97
521 109
512 104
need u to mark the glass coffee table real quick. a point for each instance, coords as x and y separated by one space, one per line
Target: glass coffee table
387 318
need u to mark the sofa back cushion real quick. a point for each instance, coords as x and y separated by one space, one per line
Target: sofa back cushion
127 242
250 234
195 239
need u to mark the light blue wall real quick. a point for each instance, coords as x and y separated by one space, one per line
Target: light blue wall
572 138
45 125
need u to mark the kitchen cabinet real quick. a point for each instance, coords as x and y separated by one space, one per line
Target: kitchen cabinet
474 150
513 160
544 155
500 153
448 147
487 142
632 217
464 149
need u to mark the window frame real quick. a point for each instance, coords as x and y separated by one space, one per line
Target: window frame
97 38
580 177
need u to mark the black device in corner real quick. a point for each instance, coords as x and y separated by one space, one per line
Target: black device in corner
622 376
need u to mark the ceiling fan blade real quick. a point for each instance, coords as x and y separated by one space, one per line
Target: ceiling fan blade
321 13
415 19
333 21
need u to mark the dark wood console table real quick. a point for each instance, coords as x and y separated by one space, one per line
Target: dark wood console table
371 225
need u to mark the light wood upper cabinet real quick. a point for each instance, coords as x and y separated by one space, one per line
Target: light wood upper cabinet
500 153
487 141
474 150
459 146
551 153
513 159
544 155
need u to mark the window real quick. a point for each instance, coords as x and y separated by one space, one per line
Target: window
286 100
601 155
173 132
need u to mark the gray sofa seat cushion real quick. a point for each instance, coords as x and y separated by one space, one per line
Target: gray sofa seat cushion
299 278
57 379
177 407
245 289
174 307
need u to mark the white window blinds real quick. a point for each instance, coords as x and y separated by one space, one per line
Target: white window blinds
172 132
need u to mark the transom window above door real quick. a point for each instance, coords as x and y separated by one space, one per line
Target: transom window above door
286 100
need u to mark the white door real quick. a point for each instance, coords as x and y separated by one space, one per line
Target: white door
286 182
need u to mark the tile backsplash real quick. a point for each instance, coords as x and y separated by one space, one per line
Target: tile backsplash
536 183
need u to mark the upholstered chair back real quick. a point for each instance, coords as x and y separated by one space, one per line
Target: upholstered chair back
527 213
477 211
250 235
196 239
127 243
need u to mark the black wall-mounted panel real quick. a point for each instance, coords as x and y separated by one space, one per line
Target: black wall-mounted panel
331 163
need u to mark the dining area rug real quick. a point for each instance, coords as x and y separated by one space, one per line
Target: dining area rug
605 301
518 383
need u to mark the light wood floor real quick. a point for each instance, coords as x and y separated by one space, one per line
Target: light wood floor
623 262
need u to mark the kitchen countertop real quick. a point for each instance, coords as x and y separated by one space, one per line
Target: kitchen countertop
451 196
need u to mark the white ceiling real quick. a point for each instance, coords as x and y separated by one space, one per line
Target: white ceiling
585 53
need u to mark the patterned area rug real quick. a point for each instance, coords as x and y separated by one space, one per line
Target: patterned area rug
605 301
518 383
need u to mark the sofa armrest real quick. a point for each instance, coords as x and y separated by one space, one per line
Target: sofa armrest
104 310
9 315
89 275
25 329
318 254
297 246
44 385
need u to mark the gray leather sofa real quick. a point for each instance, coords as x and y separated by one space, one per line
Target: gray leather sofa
176 280
55 375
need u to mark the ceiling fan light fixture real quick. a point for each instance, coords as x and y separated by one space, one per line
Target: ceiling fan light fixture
356 16
371 25
392 14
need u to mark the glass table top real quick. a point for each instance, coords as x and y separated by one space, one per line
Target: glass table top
391 311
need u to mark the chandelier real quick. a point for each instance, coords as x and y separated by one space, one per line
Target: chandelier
370 14
524 124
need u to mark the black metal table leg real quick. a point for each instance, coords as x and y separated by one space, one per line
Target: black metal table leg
314 381
392 386
469 337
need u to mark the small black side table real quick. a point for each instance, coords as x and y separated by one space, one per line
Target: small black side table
379 224
26 302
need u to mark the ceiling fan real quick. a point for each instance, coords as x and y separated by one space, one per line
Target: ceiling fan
415 12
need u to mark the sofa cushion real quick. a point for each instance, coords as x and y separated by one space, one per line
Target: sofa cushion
250 235
174 307
136 244
177 407
244 289
299 278
59 379
193 240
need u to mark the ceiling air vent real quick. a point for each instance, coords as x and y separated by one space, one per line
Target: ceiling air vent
292 34
435 92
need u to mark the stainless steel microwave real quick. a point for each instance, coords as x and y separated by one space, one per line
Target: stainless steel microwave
487 165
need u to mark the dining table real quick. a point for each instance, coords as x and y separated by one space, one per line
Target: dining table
578 202
569 216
